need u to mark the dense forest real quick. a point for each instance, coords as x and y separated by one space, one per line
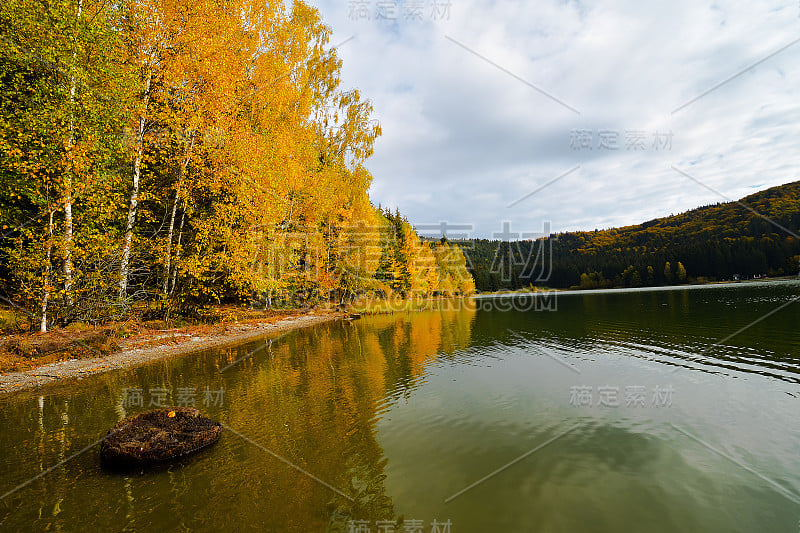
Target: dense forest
756 236
164 156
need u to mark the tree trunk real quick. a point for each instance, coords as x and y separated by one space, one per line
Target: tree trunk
177 254
68 184
168 264
47 266
124 269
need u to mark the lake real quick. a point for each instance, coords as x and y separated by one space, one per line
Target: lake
630 410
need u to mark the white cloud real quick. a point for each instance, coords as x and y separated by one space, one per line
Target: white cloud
463 139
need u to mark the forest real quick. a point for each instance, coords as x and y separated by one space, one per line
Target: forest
157 157
754 237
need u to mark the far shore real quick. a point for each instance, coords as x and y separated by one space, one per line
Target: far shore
140 350
544 290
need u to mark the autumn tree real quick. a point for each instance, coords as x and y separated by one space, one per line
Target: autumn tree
680 272
60 151
188 153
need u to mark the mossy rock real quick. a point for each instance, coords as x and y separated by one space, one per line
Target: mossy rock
157 436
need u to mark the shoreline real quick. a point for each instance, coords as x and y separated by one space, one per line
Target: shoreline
132 354
519 292
136 351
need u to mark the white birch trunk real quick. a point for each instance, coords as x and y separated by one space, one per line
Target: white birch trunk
124 268
68 184
177 254
171 233
46 297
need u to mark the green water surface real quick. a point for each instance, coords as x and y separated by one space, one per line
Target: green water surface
614 411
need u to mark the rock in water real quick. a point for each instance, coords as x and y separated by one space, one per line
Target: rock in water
157 436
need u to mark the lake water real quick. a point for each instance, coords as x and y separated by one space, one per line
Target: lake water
615 411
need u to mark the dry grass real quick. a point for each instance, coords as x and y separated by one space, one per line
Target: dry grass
21 350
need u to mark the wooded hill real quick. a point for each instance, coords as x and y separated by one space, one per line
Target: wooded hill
756 236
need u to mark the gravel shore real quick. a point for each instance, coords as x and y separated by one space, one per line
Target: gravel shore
133 354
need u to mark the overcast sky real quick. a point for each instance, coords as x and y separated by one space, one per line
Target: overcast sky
482 103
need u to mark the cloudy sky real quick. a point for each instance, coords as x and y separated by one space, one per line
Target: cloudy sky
482 103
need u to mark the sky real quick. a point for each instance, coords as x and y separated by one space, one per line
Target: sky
513 118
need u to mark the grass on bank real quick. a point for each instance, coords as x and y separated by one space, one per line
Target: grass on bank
22 349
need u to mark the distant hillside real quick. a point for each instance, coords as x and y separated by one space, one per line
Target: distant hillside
715 242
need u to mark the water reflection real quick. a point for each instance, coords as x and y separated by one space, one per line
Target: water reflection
717 328
312 397
400 412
